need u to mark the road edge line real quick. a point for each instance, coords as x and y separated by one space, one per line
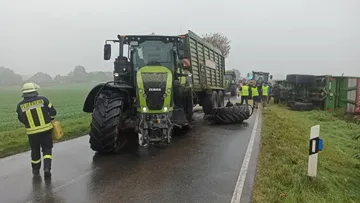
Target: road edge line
245 165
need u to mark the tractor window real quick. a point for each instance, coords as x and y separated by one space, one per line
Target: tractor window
228 77
261 78
150 53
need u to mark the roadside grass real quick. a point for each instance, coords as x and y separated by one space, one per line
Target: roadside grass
282 165
68 101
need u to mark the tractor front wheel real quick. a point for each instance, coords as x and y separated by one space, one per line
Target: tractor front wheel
106 135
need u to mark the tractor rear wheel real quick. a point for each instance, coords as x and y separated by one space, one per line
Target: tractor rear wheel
106 135
189 105
221 99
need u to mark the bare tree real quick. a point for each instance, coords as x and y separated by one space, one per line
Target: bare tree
219 41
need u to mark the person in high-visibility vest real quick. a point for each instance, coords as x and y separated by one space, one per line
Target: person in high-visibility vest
265 94
255 96
245 93
36 113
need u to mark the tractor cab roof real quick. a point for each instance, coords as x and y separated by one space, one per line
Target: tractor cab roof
133 39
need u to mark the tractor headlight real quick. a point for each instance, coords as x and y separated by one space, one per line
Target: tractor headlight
140 90
168 90
116 74
166 109
144 109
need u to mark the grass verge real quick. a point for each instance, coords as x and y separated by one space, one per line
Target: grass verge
282 165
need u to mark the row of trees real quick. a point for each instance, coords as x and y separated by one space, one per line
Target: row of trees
8 77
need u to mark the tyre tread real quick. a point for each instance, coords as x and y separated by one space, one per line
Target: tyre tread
106 118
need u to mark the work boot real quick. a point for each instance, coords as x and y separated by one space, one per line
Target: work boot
47 173
36 172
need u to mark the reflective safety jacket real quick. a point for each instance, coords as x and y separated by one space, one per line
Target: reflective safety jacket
36 114
245 90
265 90
254 91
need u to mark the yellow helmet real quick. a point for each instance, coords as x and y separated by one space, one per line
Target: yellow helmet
30 87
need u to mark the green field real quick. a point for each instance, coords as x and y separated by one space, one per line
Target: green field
68 101
282 164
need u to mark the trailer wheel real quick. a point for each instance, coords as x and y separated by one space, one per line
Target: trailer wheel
221 99
210 102
291 78
106 135
234 90
302 79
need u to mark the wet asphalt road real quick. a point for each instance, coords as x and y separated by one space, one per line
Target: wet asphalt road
200 166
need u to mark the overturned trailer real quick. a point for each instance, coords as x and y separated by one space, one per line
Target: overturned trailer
324 92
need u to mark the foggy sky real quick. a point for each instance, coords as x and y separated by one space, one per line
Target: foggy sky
277 36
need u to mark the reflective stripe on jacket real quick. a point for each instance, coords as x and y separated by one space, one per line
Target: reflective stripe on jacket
36 114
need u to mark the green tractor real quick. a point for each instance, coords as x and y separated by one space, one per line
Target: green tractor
150 94
232 78
258 77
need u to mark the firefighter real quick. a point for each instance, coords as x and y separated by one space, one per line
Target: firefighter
36 113
265 94
255 95
245 91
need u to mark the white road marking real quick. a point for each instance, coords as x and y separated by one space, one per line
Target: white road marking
245 165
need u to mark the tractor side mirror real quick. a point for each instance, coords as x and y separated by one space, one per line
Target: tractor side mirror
107 52
271 77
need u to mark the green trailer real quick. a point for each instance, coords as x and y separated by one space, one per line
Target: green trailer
324 92
207 67
341 92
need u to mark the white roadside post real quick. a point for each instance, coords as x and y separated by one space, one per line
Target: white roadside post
315 146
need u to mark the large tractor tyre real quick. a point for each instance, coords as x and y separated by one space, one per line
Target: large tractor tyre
291 78
234 91
302 79
229 115
106 135
210 102
221 99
